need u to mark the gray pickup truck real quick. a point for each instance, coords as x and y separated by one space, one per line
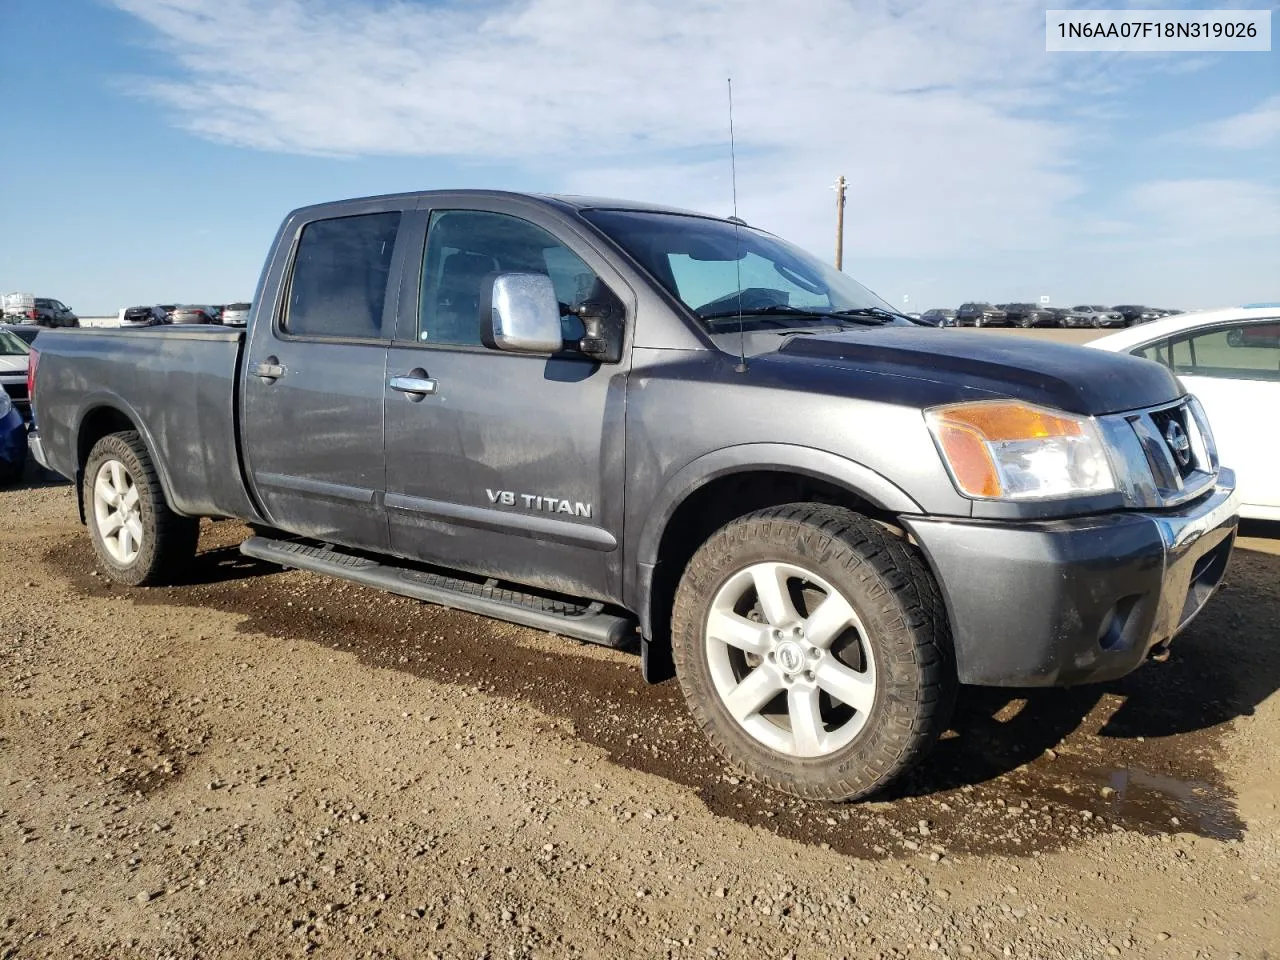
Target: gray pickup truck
632 425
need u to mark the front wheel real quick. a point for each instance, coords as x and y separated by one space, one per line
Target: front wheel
813 651
138 538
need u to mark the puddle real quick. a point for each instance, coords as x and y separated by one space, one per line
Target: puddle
1200 806
1021 771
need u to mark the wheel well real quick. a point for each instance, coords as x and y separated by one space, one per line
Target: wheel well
97 423
722 501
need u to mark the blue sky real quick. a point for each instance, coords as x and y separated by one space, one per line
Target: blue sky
152 146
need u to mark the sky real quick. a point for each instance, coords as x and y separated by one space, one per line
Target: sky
152 147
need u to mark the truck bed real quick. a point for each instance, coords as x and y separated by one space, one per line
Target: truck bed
177 385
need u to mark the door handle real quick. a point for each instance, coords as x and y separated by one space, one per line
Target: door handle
269 370
415 385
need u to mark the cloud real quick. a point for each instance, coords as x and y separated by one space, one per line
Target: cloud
1204 212
937 112
1250 130
965 145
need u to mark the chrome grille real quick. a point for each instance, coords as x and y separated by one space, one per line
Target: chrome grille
1170 453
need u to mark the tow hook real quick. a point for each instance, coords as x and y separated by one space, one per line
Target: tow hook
1160 652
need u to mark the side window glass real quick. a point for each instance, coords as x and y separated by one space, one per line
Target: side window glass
339 282
1242 352
1182 356
1159 352
466 249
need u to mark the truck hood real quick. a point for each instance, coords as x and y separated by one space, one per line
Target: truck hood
968 365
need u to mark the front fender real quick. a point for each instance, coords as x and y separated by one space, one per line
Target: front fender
859 480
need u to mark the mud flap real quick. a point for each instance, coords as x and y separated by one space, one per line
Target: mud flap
656 662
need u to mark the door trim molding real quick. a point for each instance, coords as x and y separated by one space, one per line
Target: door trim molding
319 488
503 521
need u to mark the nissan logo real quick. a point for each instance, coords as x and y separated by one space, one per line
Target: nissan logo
1178 442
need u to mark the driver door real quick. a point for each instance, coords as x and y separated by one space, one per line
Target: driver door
512 466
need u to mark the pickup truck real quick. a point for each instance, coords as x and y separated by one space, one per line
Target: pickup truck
639 426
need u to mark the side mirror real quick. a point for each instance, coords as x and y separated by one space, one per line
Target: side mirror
521 314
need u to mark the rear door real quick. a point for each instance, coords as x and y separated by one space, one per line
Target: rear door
314 375
512 465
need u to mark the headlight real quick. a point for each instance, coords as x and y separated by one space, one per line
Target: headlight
5 404
1009 450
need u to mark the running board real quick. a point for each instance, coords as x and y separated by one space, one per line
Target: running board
579 619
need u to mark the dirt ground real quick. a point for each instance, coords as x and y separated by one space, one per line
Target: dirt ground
268 764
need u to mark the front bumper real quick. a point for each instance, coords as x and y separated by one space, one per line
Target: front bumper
1058 603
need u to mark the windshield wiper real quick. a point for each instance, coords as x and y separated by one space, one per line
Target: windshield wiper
786 310
880 312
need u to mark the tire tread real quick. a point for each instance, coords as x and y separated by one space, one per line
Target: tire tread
866 551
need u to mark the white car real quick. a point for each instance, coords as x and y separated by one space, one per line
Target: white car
13 369
1230 359
235 314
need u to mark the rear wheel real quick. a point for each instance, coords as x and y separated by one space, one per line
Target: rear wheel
138 538
812 649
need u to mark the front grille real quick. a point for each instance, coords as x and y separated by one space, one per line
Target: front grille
1174 444
1175 429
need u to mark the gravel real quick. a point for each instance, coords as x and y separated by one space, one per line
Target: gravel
208 771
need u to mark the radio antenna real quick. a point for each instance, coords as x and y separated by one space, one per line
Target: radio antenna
737 238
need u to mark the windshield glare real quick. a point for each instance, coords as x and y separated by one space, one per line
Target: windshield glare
704 263
11 345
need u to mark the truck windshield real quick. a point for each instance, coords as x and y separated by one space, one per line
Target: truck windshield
11 345
716 268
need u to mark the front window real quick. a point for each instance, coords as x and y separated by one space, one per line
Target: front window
718 270
12 345
466 249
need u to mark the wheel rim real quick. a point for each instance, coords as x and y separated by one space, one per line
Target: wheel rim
118 512
790 660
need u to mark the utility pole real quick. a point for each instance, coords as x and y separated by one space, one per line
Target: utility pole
841 186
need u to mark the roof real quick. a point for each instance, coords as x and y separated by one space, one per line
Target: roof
564 201
1157 329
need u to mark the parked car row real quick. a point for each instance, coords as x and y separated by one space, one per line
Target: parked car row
24 308
982 314
230 314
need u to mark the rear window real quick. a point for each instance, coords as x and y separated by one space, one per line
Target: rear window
237 306
340 273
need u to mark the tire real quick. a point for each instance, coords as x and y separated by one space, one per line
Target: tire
135 534
894 653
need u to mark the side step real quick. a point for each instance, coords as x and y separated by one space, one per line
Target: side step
581 620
